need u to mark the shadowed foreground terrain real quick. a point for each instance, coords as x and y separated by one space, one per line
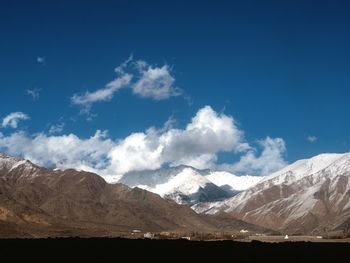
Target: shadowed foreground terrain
129 250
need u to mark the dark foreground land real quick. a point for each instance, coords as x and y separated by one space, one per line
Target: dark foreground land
146 250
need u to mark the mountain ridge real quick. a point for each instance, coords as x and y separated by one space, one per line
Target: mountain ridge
311 195
36 201
188 185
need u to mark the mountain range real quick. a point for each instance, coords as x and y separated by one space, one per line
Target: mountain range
39 202
188 185
310 196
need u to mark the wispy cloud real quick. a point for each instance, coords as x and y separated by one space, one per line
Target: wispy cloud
311 138
56 128
13 119
124 65
86 100
145 80
34 93
41 60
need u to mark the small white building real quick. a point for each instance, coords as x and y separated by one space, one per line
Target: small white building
243 231
286 237
148 235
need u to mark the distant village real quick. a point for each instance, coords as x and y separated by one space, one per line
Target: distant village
242 235
189 236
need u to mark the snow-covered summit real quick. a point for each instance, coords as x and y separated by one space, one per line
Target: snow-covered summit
236 183
183 184
12 164
187 181
300 197
9 162
304 167
186 184
153 177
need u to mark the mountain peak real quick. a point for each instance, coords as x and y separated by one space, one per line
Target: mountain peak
188 185
11 164
304 167
306 196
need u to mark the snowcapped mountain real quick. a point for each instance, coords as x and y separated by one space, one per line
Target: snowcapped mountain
17 167
187 185
232 182
41 202
302 168
183 184
308 195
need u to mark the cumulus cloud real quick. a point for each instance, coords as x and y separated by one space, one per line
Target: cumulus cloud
145 80
311 138
270 159
66 151
197 144
13 119
155 82
207 134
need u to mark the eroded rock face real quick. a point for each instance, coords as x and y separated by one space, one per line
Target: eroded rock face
308 196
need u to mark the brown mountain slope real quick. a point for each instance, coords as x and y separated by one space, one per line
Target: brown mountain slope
34 198
311 196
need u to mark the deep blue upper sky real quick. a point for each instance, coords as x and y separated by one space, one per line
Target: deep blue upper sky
280 68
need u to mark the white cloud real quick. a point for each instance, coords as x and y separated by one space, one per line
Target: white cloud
66 151
13 119
122 67
149 82
207 134
311 138
270 160
56 128
34 93
198 144
155 82
88 98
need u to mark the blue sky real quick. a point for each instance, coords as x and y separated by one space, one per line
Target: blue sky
281 69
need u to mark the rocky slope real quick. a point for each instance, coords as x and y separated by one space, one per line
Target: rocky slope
35 201
308 196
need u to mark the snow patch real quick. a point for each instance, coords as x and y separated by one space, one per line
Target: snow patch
22 162
238 183
302 168
186 182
